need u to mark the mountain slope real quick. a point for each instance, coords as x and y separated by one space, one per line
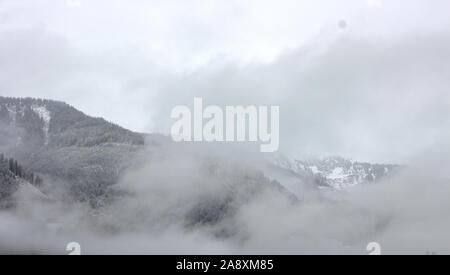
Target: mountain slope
8 182
55 140
51 123
88 155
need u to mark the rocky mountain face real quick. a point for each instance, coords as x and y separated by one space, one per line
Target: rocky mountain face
335 172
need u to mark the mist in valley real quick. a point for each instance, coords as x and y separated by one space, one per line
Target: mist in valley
185 199
359 80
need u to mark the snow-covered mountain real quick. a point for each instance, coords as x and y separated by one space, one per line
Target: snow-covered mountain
336 172
87 158
58 142
119 180
56 124
54 140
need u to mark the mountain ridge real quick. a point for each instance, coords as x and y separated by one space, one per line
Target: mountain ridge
89 155
55 140
61 124
335 172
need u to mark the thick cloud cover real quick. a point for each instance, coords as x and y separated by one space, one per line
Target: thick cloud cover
352 97
374 88
408 213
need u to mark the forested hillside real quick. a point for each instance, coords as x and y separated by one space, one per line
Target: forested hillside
57 141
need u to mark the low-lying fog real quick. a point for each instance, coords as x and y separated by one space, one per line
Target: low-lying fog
206 200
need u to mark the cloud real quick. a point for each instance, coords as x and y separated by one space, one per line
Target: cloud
42 64
167 205
361 98
373 91
383 101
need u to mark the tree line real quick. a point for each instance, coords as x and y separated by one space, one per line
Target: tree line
17 170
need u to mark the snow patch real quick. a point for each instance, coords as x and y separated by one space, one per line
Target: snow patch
314 169
338 173
45 115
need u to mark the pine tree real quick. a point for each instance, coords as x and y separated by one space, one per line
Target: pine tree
16 168
11 165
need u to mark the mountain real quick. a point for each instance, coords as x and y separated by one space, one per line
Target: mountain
62 144
56 124
334 172
88 155
138 181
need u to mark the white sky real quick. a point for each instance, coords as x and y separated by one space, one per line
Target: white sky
185 34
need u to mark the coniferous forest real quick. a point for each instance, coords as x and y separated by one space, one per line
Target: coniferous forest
10 174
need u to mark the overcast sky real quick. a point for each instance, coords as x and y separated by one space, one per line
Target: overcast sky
363 79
